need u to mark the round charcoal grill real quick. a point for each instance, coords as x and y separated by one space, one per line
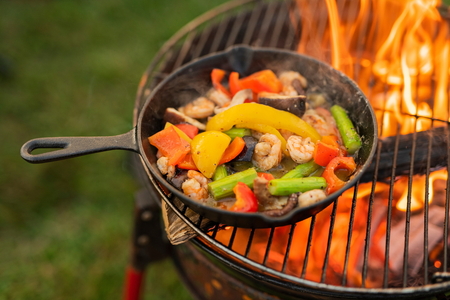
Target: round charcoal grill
362 246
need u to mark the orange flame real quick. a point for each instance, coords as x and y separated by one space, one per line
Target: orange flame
398 52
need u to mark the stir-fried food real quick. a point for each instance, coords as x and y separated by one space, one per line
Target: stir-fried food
260 143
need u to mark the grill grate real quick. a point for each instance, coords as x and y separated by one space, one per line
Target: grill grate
277 24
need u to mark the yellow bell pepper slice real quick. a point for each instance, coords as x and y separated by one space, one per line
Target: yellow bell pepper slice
266 129
262 114
207 149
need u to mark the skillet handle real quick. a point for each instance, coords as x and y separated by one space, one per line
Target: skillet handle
68 147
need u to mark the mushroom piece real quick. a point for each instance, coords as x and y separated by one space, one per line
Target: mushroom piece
290 205
175 117
292 104
265 198
239 98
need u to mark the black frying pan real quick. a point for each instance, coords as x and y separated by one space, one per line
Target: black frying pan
193 80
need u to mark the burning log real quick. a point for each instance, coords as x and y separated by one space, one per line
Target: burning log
409 154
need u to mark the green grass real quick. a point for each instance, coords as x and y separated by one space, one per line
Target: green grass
72 68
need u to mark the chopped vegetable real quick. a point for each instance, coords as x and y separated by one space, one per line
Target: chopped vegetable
224 187
261 114
217 76
170 144
265 175
189 129
351 139
262 81
240 132
234 149
334 183
302 170
285 187
180 132
207 149
326 149
247 153
187 163
245 199
221 172
233 83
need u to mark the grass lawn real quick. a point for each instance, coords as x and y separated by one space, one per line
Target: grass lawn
71 68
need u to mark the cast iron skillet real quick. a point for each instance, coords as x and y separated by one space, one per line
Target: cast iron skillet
193 80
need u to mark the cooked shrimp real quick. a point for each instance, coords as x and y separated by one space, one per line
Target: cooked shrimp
311 197
267 152
287 78
164 168
200 108
218 97
300 149
196 187
318 122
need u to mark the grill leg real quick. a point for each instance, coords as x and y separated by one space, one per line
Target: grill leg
148 242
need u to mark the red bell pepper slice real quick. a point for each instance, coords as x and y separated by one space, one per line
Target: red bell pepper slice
326 149
170 144
233 150
187 163
266 176
245 199
262 81
334 183
233 83
217 76
189 129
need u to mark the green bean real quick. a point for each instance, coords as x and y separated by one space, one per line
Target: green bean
221 172
224 187
302 170
285 187
351 139
240 132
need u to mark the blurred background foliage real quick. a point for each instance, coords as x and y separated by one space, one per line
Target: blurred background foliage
72 68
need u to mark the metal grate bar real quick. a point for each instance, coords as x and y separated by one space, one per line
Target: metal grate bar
349 235
202 43
288 248
215 46
294 29
308 246
269 244
249 243
238 23
253 20
187 45
447 205
389 217
266 22
367 240
233 236
330 238
280 17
